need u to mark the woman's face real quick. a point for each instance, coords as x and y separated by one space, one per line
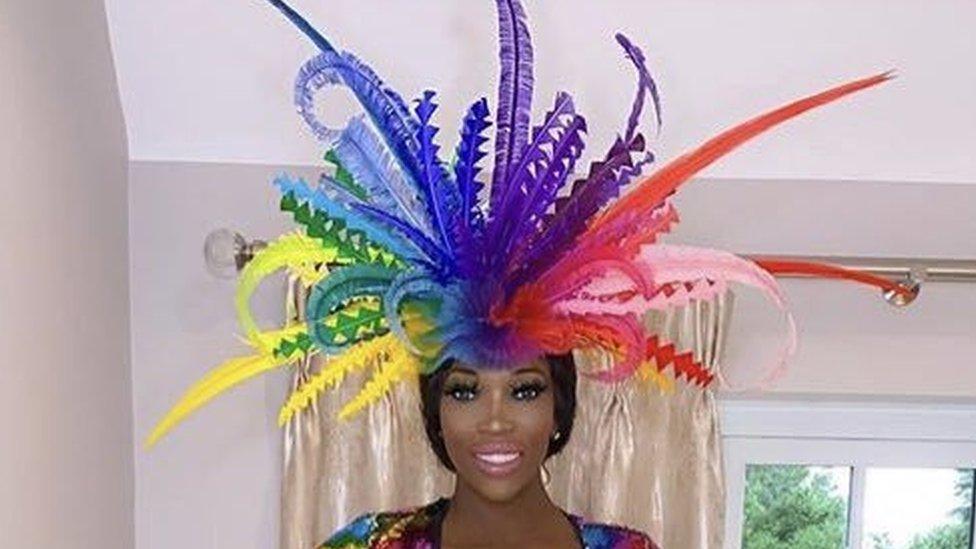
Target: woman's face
497 426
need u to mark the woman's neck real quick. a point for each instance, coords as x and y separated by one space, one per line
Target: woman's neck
472 518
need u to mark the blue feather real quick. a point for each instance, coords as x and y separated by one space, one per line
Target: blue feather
406 285
430 249
337 192
318 200
371 166
386 109
302 25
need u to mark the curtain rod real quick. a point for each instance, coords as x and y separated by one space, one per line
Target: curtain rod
916 268
226 252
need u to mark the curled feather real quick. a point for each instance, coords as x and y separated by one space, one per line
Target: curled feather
293 251
645 85
343 285
384 106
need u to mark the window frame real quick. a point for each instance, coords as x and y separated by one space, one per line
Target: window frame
853 432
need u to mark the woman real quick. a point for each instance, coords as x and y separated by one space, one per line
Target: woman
419 266
494 429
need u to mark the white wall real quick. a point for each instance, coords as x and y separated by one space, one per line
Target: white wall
851 340
211 81
214 481
65 401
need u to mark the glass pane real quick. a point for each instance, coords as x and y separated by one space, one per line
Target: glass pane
796 506
918 508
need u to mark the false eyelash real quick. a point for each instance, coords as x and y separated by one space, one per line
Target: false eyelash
538 386
464 386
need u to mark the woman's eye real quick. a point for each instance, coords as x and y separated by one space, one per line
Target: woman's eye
529 391
462 393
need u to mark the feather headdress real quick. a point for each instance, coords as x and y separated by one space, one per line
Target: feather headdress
411 261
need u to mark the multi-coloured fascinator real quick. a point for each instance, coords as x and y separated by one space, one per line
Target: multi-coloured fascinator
412 261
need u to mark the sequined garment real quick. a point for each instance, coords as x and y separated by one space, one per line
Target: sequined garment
420 529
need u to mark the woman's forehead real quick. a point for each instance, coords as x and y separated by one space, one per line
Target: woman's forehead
530 367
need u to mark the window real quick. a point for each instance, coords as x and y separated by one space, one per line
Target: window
800 506
920 508
849 476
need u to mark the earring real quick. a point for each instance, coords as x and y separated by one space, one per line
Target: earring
556 435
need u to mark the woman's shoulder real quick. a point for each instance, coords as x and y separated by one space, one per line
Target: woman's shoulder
599 535
375 529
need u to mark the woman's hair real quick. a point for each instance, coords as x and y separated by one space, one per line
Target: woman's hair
563 372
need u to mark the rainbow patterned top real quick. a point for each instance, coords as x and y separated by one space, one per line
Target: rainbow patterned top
411 260
420 529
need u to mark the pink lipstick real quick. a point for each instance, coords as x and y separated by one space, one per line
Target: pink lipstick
498 459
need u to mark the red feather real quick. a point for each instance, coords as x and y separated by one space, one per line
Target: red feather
652 191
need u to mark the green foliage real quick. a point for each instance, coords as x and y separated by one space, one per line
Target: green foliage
787 506
947 536
954 535
964 492
882 541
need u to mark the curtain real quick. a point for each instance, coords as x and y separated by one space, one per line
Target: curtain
648 461
334 471
635 457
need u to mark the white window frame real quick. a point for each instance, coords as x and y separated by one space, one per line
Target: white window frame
854 432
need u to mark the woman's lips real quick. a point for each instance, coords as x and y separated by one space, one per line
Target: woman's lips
498 459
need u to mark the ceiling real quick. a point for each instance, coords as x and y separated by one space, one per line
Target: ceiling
211 80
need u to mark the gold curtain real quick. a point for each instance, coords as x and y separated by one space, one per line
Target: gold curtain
648 461
635 457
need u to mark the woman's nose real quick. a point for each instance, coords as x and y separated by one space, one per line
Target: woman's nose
496 419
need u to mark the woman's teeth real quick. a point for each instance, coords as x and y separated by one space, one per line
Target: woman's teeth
498 459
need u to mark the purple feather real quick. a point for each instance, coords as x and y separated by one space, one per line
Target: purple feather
645 84
514 93
573 212
510 201
440 196
469 154
551 160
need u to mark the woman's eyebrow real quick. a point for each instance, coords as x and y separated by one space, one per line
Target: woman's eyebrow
463 370
530 370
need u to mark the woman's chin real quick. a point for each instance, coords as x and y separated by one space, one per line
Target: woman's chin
498 491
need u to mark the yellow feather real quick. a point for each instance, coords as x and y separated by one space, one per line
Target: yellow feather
225 376
398 364
334 371
295 251
266 342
